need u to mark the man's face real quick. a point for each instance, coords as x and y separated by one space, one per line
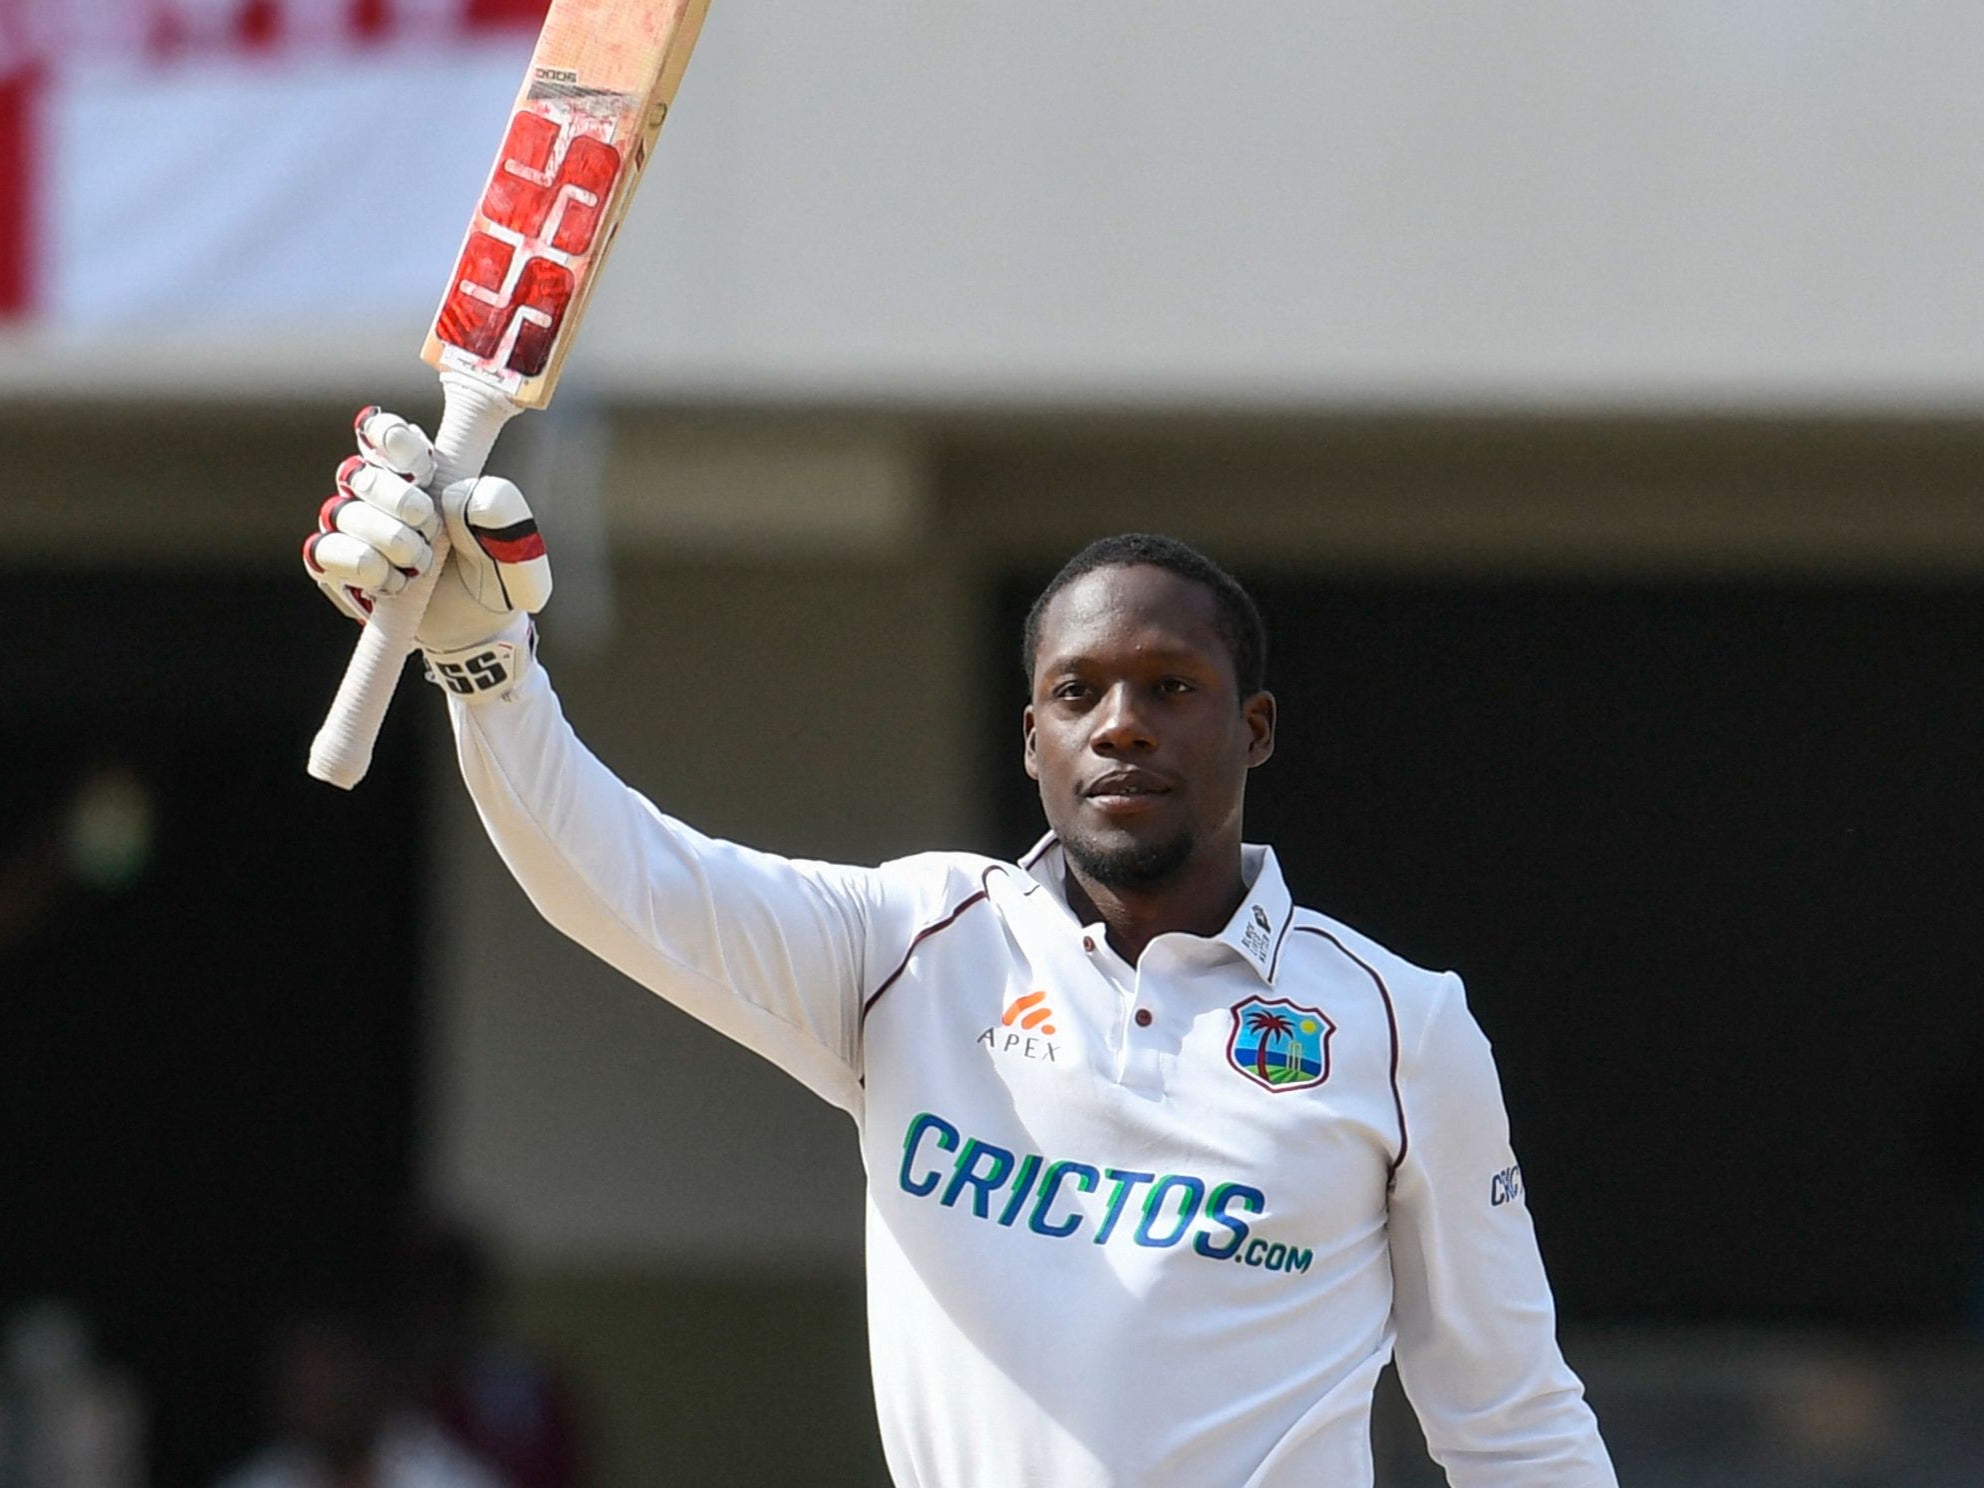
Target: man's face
1136 731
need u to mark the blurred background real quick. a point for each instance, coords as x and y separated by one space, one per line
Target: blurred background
1590 393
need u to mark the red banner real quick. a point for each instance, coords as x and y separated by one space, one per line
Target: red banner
77 166
17 190
55 31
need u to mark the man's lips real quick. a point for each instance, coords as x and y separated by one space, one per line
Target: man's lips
1123 791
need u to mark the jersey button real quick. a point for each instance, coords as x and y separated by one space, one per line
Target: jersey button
1143 1017
1088 942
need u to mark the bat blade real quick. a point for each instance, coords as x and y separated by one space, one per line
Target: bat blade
599 87
600 84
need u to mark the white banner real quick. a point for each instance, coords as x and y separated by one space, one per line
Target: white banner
237 165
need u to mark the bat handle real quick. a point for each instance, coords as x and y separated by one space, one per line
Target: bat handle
472 415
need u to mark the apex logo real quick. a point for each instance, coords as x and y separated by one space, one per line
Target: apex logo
1017 1011
1024 1030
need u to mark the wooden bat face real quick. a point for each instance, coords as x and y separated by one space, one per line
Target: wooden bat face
599 88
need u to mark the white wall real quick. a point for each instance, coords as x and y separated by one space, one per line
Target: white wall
1354 201
1149 200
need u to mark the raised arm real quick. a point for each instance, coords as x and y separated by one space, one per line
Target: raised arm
1477 1332
770 951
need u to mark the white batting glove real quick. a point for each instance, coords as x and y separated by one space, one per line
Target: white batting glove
373 535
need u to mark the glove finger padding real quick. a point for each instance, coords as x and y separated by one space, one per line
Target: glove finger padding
391 443
374 532
399 543
390 494
346 562
377 533
499 552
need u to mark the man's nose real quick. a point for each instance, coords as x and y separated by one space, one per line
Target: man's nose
1121 724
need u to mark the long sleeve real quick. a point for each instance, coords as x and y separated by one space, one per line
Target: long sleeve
1477 1346
770 951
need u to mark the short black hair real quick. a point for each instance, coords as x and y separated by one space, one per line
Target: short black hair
1239 618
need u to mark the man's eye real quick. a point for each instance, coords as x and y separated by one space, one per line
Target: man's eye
1174 684
1068 691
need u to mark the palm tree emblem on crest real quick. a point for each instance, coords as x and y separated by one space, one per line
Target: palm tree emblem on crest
1279 1045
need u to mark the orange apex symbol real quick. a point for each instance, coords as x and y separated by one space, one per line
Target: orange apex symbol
1037 1018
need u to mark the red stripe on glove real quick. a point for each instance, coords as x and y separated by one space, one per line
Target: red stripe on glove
512 550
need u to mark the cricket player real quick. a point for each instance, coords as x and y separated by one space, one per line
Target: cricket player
1162 1167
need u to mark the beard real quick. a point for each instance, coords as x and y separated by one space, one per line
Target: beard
1134 865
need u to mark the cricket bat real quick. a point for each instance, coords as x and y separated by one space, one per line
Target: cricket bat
600 84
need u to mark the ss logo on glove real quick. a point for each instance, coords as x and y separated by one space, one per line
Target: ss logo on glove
474 674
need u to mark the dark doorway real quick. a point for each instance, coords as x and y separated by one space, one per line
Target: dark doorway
208 984
1707 855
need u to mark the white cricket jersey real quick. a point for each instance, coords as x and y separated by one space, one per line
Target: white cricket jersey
1159 1224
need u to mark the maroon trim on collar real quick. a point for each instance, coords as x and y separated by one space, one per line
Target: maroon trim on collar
984 891
1039 852
1274 961
1391 1022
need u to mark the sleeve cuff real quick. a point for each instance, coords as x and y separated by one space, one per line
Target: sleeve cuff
489 671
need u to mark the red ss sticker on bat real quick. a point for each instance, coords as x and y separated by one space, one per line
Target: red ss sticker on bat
540 213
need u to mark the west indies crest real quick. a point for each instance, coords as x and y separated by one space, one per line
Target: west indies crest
1278 1044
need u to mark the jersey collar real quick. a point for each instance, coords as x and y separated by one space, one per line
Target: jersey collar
1258 926
1261 923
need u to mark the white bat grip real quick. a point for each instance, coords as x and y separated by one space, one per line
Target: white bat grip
472 415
